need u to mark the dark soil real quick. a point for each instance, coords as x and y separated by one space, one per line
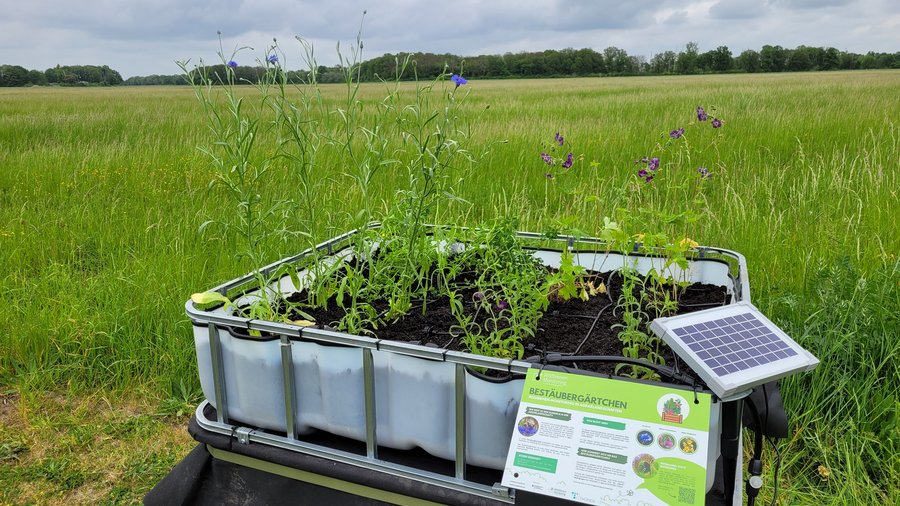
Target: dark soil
573 327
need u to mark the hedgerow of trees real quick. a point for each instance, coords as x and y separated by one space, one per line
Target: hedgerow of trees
71 75
612 61
550 63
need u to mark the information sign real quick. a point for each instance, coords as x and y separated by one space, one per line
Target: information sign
604 441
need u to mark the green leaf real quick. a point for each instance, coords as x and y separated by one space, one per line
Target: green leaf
204 298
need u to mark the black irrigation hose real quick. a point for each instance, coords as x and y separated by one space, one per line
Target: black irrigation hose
590 330
663 370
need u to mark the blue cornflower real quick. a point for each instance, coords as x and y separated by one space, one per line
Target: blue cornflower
458 80
568 163
716 123
547 158
272 58
232 64
675 134
653 163
701 113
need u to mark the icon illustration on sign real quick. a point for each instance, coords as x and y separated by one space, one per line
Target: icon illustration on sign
673 408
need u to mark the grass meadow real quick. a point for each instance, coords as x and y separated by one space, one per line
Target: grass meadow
102 192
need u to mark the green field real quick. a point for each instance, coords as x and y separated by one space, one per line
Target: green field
102 192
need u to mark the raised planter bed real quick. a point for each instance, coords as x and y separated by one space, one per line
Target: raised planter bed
295 380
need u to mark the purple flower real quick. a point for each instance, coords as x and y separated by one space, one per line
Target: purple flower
642 173
675 134
458 80
559 139
568 163
272 58
716 123
701 113
648 178
478 296
653 164
704 172
547 158
232 64
501 305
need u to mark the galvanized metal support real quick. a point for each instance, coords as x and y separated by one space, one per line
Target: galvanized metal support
369 388
287 376
218 371
460 421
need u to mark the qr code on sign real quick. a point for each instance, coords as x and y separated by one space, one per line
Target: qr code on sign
685 495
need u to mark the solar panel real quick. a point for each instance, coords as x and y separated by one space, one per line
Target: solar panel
733 348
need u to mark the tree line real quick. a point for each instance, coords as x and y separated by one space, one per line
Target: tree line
70 75
611 61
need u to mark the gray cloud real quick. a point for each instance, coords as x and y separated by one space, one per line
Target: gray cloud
738 9
813 4
142 37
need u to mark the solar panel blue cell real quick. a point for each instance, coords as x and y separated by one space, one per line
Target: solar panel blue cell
772 357
781 354
790 352
708 334
712 362
691 328
745 334
688 338
716 341
772 347
729 320
754 342
755 332
734 347
680 331
719 332
762 359
752 361
732 357
696 346
726 339
743 354
782 345
741 365
731 368
720 371
703 354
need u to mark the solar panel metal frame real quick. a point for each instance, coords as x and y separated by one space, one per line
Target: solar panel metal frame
733 384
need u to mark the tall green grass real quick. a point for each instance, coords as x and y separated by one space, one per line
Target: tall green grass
102 192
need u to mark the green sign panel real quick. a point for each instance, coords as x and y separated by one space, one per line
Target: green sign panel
609 441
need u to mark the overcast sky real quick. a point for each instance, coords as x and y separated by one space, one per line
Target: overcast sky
143 37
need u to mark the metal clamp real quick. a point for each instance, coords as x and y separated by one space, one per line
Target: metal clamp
243 434
501 491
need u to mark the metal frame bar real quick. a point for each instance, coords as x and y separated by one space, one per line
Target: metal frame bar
369 394
287 375
438 480
215 356
460 384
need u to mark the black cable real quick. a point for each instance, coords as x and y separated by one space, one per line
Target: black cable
777 467
755 467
